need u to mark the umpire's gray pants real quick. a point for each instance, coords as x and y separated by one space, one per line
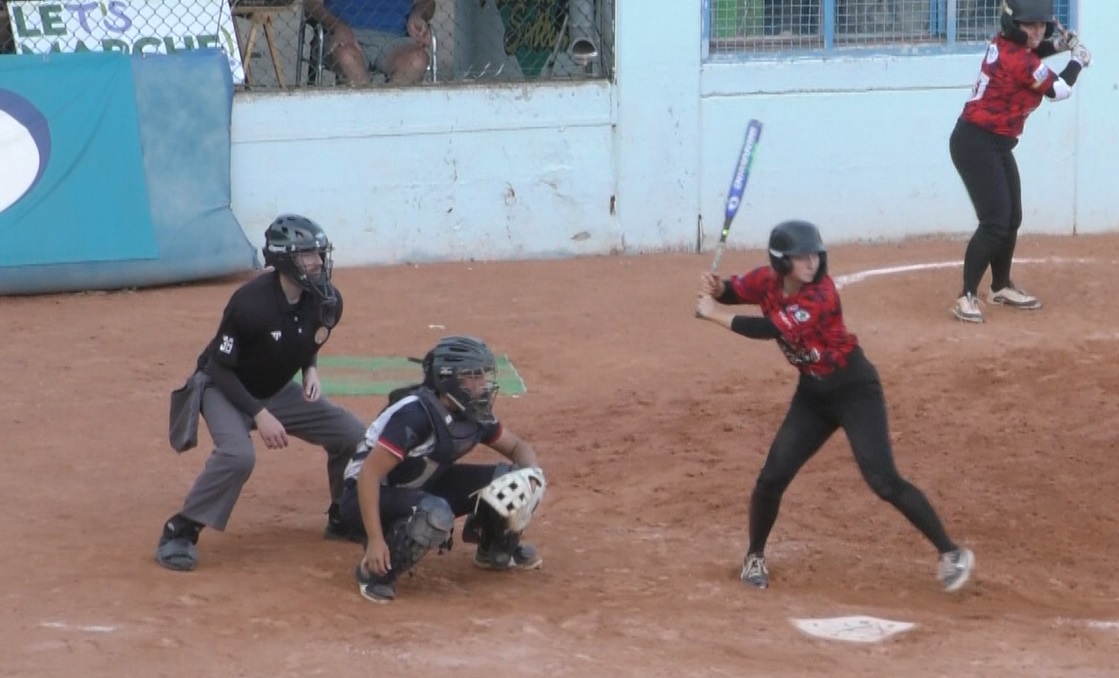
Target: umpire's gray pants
215 491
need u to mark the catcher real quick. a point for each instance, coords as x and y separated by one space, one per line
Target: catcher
838 388
404 489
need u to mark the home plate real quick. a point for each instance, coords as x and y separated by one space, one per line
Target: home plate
859 629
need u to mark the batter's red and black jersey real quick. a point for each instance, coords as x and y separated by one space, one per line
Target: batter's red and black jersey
1012 81
810 322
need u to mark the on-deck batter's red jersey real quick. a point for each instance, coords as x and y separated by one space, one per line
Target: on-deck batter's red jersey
813 336
1012 81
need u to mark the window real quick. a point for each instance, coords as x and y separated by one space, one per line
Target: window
764 27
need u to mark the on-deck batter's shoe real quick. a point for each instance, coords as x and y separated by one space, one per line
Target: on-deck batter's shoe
524 557
374 587
1015 297
754 571
955 568
966 308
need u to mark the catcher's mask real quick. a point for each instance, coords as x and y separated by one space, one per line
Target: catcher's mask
465 370
796 238
298 248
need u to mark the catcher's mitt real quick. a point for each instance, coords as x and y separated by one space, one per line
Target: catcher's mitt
514 496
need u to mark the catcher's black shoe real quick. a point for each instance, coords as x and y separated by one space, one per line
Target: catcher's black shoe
374 587
524 557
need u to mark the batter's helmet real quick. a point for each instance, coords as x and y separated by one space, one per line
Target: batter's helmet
1015 12
290 235
796 238
465 370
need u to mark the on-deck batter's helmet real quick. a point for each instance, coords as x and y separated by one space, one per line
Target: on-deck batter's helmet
464 369
290 235
796 238
1015 12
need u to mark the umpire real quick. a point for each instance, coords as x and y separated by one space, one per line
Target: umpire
272 328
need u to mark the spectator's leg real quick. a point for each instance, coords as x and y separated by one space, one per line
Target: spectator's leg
348 62
407 65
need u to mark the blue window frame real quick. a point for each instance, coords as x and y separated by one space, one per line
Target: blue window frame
744 28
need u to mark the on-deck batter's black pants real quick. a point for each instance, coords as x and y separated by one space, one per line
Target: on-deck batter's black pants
985 162
850 399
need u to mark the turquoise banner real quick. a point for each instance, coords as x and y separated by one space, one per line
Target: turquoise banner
72 183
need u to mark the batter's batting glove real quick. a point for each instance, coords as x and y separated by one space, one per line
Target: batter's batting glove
1066 42
1081 55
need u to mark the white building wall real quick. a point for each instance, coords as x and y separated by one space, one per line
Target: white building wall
497 171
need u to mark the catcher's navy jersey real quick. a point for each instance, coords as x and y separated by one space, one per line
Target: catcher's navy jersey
408 430
264 339
1011 84
810 322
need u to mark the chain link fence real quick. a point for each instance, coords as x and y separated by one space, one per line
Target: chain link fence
327 43
745 27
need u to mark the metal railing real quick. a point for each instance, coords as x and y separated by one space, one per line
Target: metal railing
470 40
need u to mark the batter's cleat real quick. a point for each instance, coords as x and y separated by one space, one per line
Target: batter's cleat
524 557
754 571
374 587
955 568
966 308
177 553
1015 297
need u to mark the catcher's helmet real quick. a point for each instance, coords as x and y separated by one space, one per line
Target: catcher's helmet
287 237
465 370
1015 12
796 238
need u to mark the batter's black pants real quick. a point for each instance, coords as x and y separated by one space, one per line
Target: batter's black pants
985 162
850 399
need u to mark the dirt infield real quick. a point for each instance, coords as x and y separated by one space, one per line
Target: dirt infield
651 425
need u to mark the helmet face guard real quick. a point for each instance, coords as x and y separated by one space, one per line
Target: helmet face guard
299 249
465 371
793 239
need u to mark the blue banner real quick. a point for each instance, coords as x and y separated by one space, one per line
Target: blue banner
72 184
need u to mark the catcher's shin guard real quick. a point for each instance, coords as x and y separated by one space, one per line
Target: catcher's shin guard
410 538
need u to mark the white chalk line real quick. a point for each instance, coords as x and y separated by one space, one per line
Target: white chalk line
77 627
849 278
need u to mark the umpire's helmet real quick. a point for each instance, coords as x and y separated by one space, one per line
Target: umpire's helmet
290 235
796 238
1015 12
465 370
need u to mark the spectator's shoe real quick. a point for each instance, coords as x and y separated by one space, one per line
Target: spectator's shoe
754 571
955 568
1015 297
523 557
374 587
967 309
338 530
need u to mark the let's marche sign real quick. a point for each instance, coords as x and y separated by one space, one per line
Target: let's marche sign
128 26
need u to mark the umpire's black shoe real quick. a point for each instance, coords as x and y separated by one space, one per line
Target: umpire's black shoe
373 587
338 530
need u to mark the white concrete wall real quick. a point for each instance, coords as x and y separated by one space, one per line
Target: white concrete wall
857 143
